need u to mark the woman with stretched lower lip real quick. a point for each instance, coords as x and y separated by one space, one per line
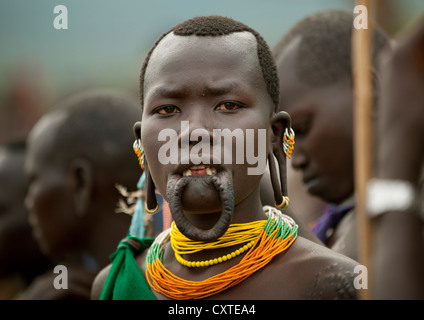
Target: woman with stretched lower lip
217 73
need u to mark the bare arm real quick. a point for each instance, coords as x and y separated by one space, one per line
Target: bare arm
398 265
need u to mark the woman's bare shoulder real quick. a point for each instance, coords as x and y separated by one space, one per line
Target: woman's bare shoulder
326 274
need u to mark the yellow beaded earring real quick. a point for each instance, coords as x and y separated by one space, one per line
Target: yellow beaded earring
138 149
288 142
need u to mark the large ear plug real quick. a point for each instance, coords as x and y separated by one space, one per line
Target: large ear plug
275 179
282 200
151 205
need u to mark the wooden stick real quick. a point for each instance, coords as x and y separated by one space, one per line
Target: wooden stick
363 137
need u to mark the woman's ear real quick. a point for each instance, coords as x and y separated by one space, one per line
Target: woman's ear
83 184
137 129
151 205
279 122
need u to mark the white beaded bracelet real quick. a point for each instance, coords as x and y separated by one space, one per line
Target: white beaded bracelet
389 195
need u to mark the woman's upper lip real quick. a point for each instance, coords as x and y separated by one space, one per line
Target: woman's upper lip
191 166
200 170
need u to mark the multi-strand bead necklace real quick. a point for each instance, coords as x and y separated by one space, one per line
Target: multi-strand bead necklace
260 240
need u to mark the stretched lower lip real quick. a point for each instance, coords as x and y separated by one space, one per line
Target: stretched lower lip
221 183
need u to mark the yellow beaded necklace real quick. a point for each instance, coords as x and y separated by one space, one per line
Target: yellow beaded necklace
242 233
276 236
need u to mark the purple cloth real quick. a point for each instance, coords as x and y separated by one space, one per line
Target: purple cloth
331 217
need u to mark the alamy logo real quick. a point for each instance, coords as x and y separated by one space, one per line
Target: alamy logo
176 148
61 20
61 280
361 280
361 19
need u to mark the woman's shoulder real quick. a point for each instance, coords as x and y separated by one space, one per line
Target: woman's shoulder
322 272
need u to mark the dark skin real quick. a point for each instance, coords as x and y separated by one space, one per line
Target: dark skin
191 66
302 205
322 119
400 128
50 189
19 252
71 210
306 206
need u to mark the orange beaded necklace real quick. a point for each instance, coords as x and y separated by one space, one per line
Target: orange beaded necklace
277 235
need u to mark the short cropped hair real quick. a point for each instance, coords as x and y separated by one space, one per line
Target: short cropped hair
214 26
96 125
324 55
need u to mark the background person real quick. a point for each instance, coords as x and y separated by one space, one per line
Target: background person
77 154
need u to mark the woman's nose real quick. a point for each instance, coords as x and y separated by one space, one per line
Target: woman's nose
196 128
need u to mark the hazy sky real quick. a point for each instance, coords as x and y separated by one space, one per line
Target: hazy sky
108 39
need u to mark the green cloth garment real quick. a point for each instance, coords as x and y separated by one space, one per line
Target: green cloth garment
125 280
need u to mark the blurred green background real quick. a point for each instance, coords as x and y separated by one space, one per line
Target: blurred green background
107 41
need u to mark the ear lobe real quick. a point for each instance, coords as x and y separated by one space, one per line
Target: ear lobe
83 182
279 122
137 129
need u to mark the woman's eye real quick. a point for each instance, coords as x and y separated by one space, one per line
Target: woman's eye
168 110
227 106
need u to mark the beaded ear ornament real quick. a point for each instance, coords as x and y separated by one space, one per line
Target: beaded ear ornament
288 146
138 149
288 143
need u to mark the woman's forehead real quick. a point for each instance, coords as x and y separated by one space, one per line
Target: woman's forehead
242 41
215 56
